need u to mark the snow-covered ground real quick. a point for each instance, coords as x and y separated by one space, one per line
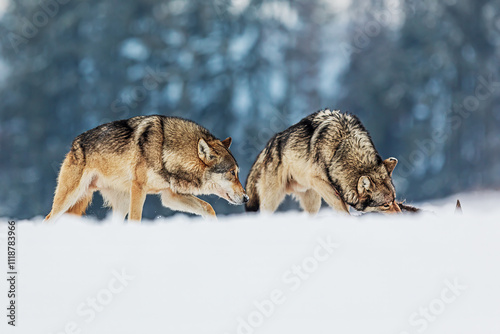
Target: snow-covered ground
285 273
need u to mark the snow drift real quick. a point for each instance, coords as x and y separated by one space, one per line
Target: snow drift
283 273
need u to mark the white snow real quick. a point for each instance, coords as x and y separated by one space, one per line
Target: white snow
283 273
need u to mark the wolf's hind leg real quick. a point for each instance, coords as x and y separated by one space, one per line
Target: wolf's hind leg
270 200
253 203
309 200
71 187
118 201
329 194
187 203
80 207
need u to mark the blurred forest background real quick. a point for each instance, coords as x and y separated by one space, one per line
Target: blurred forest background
423 76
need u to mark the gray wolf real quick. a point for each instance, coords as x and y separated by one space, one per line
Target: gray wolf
327 155
128 159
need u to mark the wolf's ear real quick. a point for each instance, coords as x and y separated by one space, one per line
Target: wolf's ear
205 152
364 184
227 142
390 164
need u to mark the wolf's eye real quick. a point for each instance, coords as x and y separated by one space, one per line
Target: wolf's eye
233 173
386 206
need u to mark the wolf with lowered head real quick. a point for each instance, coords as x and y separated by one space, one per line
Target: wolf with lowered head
327 155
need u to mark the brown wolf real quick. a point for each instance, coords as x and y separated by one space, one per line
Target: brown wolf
127 159
327 155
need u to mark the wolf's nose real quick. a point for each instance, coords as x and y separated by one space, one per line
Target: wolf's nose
245 198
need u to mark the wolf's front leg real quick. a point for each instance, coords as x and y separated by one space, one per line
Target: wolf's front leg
329 194
137 198
187 203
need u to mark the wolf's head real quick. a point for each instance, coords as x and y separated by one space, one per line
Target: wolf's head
221 174
376 191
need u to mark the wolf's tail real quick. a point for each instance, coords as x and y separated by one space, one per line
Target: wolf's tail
253 203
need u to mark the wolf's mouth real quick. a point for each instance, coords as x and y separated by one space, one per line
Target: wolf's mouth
232 201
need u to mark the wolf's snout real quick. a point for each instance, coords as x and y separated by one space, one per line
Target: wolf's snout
236 199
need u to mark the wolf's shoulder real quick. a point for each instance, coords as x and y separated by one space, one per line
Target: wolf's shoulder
170 124
333 115
326 114
343 120
160 118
